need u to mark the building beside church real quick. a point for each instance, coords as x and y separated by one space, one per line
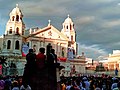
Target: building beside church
113 60
16 40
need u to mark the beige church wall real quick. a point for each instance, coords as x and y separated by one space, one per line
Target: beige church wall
1 44
55 45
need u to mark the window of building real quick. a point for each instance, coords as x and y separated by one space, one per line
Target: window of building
13 18
17 18
17 30
67 27
23 32
17 45
8 44
20 18
71 38
10 31
70 27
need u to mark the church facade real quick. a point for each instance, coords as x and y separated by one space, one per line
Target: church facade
17 40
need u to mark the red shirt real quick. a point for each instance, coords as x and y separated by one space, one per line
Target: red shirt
40 60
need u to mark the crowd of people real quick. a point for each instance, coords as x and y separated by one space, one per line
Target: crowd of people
38 64
103 82
35 63
12 83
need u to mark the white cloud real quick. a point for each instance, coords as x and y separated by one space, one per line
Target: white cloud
92 51
102 1
118 3
44 7
91 18
84 20
110 24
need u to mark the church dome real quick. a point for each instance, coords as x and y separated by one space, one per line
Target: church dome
68 20
16 10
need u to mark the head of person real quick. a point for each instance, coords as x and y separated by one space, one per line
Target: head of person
30 50
84 79
42 50
52 51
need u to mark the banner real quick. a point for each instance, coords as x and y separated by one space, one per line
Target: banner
70 55
25 49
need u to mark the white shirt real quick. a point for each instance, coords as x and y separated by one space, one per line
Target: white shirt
114 85
28 88
15 88
68 87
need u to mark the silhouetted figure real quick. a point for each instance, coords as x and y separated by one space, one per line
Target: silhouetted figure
30 67
50 58
40 59
54 55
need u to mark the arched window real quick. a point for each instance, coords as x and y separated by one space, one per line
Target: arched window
13 18
70 27
17 18
17 30
20 18
10 30
71 38
8 44
17 45
22 32
67 27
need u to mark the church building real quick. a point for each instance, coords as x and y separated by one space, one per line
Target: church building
17 40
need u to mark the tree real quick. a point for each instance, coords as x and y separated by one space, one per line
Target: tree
4 64
3 60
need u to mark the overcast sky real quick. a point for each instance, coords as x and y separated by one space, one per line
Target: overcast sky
97 22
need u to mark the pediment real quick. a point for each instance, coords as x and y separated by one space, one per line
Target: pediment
49 32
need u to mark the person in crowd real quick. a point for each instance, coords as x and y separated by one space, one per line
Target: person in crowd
30 67
83 86
8 83
87 83
40 59
68 86
2 84
116 72
63 86
51 58
25 87
54 55
114 84
15 85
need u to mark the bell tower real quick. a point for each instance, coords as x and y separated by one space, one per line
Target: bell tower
15 28
15 24
68 30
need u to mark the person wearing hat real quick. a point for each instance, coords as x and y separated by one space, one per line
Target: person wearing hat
87 83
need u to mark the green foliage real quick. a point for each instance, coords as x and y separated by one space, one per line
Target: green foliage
3 60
